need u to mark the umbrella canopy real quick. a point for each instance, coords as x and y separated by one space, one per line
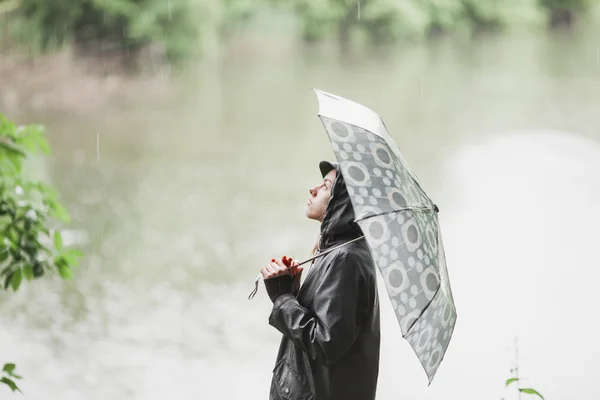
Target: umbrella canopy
400 224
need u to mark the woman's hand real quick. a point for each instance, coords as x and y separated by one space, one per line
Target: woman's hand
281 277
285 266
275 269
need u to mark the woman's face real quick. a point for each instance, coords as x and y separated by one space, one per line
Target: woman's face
319 197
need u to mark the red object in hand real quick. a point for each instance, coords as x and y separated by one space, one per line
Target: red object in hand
288 263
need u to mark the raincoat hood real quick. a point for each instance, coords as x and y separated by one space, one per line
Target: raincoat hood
338 224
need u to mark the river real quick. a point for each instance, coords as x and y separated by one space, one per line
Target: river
178 203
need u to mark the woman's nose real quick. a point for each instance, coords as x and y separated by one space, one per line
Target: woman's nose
312 191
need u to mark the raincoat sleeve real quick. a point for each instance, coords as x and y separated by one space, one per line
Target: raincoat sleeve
329 332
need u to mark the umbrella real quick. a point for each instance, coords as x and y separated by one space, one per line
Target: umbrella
399 222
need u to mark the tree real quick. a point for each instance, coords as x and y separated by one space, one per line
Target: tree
178 28
30 243
393 20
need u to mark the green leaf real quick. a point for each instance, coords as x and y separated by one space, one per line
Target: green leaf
7 281
531 391
28 272
28 144
50 192
10 384
59 212
3 254
15 160
71 256
5 220
16 279
9 367
13 237
7 127
9 269
33 139
511 380
75 252
64 271
58 243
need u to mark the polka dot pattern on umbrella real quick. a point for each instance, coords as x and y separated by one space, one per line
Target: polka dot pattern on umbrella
401 226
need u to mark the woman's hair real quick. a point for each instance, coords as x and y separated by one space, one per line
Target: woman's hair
315 247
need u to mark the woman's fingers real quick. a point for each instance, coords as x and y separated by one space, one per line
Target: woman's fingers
274 269
280 267
294 267
298 274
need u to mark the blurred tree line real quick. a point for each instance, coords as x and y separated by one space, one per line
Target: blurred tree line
177 28
393 20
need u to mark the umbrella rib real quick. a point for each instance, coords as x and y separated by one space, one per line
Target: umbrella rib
397 211
428 304
432 297
409 171
259 277
330 250
422 312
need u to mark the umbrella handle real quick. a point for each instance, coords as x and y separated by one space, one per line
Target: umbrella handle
251 296
259 277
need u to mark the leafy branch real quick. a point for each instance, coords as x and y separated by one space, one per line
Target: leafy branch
516 379
8 375
30 243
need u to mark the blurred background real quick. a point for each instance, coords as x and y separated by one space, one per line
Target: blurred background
185 138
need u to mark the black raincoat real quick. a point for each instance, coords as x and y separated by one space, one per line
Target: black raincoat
330 344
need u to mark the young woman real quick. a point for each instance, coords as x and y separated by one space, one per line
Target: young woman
330 325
